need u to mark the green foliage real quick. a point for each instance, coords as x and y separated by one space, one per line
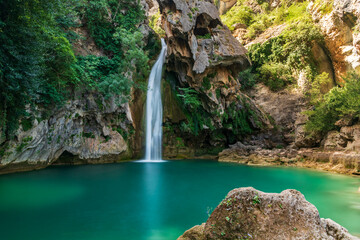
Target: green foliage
27 123
89 135
24 143
276 59
276 75
194 9
190 98
197 117
206 36
238 14
319 87
339 102
247 79
206 83
288 12
325 7
122 42
236 118
256 200
180 142
298 42
154 23
35 58
38 68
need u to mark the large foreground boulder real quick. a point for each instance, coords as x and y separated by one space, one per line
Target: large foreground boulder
250 214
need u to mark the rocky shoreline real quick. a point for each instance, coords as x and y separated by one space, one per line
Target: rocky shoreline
332 161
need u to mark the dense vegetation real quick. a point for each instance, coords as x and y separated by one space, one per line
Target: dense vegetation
228 126
258 22
277 61
38 67
338 103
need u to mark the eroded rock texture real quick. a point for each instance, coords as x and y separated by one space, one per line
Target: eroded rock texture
198 42
88 128
205 57
250 214
342 38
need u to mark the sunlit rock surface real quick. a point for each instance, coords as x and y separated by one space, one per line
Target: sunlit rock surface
204 56
246 213
341 30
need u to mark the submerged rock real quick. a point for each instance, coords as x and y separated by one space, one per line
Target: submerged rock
250 214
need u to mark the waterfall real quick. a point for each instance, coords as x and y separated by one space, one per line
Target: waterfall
154 111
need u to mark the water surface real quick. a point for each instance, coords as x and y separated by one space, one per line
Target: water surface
151 201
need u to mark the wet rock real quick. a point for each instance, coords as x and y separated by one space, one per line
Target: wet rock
250 214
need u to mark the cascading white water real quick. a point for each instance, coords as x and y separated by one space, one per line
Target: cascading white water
154 112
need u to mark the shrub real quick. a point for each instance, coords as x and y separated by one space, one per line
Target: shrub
238 14
247 79
154 23
276 59
319 87
339 102
276 75
325 7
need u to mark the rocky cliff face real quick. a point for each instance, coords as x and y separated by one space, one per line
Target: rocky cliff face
88 128
204 57
342 38
250 214
199 43
337 55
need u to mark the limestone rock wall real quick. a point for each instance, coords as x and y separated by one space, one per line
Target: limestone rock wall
204 56
88 128
341 28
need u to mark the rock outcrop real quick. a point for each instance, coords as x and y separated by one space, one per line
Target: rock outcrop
198 42
246 213
205 57
225 5
88 128
342 38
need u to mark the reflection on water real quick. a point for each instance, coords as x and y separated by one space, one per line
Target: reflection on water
151 201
